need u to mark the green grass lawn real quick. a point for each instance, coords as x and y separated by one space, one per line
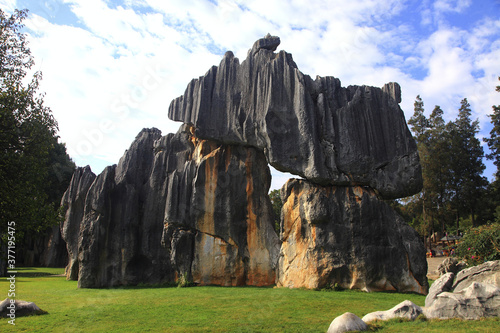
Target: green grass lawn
204 309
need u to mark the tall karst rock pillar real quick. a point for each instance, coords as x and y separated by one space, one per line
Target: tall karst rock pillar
194 207
352 147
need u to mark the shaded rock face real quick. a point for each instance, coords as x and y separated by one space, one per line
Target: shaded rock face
341 136
176 207
73 205
346 235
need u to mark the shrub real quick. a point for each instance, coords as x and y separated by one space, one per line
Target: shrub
480 244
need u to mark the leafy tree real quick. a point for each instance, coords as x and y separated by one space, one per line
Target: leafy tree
437 168
275 197
467 182
418 122
494 140
480 244
419 125
29 151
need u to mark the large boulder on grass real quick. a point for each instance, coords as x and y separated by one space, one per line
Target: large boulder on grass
476 301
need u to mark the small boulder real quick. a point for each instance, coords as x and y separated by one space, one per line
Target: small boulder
451 265
346 323
441 285
405 309
22 308
476 301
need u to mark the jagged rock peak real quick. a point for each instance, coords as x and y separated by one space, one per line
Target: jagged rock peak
269 42
316 129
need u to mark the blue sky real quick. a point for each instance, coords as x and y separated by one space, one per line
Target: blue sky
111 68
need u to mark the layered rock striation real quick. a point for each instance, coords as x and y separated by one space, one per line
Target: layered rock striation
316 129
175 207
194 207
346 236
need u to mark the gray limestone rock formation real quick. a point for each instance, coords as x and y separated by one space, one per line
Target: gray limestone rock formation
476 301
317 129
73 205
488 272
473 293
441 285
194 207
451 265
347 236
177 208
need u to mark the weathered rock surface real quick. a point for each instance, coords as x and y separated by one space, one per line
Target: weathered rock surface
346 235
55 254
176 207
342 136
405 309
472 293
489 273
193 206
476 301
221 209
22 308
451 265
73 205
347 322
441 285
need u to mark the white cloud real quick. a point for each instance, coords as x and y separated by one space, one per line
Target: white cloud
117 70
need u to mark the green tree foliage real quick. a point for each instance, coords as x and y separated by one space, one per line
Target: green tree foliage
494 145
451 158
466 163
419 124
494 140
480 244
275 197
34 166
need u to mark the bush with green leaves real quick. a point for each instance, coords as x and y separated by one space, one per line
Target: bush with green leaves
480 244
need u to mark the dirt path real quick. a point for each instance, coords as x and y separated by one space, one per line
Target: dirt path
433 264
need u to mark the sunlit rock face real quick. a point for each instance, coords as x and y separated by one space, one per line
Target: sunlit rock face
326 133
222 207
176 207
346 236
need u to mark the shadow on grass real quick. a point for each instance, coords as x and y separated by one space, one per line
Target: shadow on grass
38 272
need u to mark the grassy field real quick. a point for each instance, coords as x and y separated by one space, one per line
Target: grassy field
204 309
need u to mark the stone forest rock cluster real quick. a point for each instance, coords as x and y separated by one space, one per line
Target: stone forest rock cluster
194 205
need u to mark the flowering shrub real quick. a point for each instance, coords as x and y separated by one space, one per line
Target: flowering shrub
480 244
